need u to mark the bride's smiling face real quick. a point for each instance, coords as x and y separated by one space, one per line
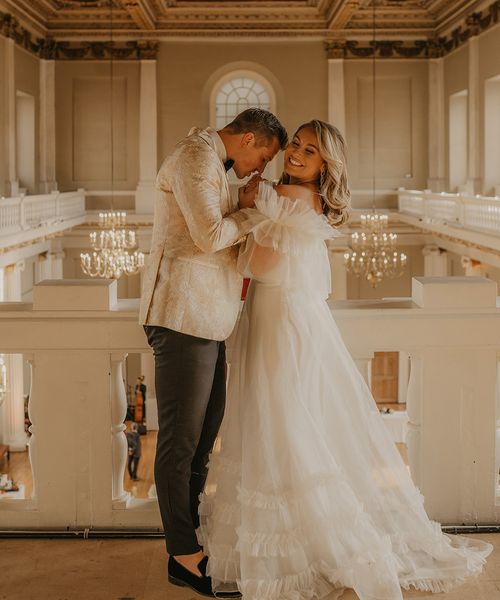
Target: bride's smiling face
303 160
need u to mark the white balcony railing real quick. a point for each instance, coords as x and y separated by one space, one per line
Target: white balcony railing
479 213
26 218
76 336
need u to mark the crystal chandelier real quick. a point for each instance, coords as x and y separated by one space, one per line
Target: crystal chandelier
373 255
113 249
113 245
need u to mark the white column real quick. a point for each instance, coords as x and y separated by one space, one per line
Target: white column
118 439
47 127
43 267
144 197
364 364
474 183
12 282
2 284
437 128
12 184
403 376
57 261
336 94
473 268
338 274
435 261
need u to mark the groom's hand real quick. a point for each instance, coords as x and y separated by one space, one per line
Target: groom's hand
247 193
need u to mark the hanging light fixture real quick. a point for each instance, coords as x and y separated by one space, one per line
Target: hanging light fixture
373 253
113 245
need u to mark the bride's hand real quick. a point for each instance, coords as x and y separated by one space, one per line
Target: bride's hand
247 193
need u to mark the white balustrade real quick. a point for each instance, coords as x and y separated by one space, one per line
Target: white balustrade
414 409
480 213
33 216
450 328
118 440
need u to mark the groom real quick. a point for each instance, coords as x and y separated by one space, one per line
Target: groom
190 302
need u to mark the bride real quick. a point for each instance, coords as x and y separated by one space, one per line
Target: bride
307 494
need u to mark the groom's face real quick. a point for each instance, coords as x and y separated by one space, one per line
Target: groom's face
253 154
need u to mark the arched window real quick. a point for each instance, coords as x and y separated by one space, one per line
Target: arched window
238 94
235 92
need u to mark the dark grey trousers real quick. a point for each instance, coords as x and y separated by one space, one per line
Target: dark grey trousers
190 379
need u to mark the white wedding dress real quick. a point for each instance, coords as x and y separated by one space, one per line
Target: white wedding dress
307 493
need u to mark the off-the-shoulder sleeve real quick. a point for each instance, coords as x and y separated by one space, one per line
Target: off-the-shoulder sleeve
283 223
282 229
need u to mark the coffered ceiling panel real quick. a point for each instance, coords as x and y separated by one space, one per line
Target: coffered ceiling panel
326 19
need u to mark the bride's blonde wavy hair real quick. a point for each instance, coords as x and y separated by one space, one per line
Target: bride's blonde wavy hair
332 184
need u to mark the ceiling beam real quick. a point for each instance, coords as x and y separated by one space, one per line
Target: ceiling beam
141 12
341 13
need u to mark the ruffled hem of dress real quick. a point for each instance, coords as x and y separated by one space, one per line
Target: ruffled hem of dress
311 584
319 580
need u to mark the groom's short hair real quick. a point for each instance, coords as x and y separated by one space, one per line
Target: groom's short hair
262 123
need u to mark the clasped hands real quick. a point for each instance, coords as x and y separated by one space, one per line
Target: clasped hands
248 192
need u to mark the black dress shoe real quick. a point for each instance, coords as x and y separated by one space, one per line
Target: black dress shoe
179 575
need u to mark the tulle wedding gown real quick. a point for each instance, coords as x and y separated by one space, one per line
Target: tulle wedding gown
308 494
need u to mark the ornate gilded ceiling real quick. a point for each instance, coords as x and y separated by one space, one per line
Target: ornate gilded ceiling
323 19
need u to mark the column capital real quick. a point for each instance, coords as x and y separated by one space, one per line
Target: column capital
17 267
432 250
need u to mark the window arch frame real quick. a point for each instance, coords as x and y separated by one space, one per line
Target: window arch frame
243 74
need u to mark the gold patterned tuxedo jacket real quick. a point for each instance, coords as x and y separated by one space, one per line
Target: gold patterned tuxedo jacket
190 283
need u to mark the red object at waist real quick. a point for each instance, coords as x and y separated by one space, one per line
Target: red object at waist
244 288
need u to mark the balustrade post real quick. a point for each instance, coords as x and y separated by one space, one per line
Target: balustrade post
414 409
119 440
33 419
403 376
14 432
364 364
452 432
338 274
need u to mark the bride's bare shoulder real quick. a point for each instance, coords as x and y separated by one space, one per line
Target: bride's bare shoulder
297 191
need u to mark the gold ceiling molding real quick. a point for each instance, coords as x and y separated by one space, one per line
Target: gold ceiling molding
345 25
51 49
475 24
349 18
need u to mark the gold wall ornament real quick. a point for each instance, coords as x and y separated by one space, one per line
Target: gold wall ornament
113 249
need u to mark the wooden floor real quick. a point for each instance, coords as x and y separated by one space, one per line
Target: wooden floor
136 570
